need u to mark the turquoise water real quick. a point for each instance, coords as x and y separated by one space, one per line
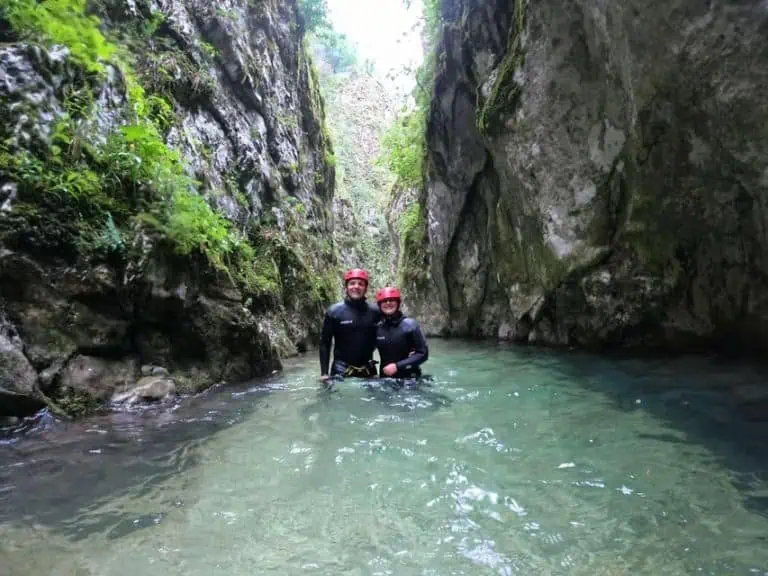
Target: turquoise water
513 461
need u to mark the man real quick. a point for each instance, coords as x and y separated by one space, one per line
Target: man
351 325
402 346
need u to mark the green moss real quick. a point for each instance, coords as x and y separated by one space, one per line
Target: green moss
78 101
288 119
227 14
290 269
640 222
86 193
76 405
261 278
209 50
653 235
62 22
260 275
190 225
152 24
529 262
505 93
61 196
325 287
413 264
317 103
654 253
81 198
171 73
403 148
410 220
313 80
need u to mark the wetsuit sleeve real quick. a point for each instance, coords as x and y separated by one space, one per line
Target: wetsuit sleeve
326 336
421 350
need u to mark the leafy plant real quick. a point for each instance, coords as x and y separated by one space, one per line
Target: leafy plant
335 49
403 148
314 13
84 198
404 144
62 22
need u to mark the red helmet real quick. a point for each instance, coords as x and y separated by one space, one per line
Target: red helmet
388 292
356 273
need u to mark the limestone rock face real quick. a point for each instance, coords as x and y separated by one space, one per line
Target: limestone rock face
597 173
107 260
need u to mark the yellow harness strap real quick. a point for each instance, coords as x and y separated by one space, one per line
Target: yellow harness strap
355 370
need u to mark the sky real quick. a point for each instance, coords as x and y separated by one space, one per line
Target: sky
383 31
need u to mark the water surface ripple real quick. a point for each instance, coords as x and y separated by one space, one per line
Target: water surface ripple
511 461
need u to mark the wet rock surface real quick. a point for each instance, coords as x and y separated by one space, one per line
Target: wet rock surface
19 393
147 390
596 174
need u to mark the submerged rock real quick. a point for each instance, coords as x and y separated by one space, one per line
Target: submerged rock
596 174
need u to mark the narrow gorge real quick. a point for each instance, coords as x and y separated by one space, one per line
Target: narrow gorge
182 183
571 196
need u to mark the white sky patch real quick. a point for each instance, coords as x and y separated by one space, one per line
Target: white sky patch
384 32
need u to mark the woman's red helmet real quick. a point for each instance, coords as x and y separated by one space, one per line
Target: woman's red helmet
386 293
356 273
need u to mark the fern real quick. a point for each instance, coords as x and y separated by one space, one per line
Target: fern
62 22
93 190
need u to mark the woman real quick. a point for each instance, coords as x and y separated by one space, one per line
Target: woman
401 344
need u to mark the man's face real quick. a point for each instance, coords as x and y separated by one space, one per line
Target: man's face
356 288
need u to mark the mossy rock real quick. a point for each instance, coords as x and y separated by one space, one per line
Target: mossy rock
505 93
75 404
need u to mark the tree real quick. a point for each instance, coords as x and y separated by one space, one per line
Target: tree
315 14
336 49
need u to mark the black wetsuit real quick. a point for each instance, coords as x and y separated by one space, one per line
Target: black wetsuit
351 324
396 337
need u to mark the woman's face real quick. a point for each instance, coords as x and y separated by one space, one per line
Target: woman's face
389 306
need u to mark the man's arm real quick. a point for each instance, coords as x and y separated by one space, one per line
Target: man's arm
420 352
326 337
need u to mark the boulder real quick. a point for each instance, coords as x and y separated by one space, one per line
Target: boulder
19 394
148 389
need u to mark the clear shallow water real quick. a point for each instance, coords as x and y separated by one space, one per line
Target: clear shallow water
512 462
